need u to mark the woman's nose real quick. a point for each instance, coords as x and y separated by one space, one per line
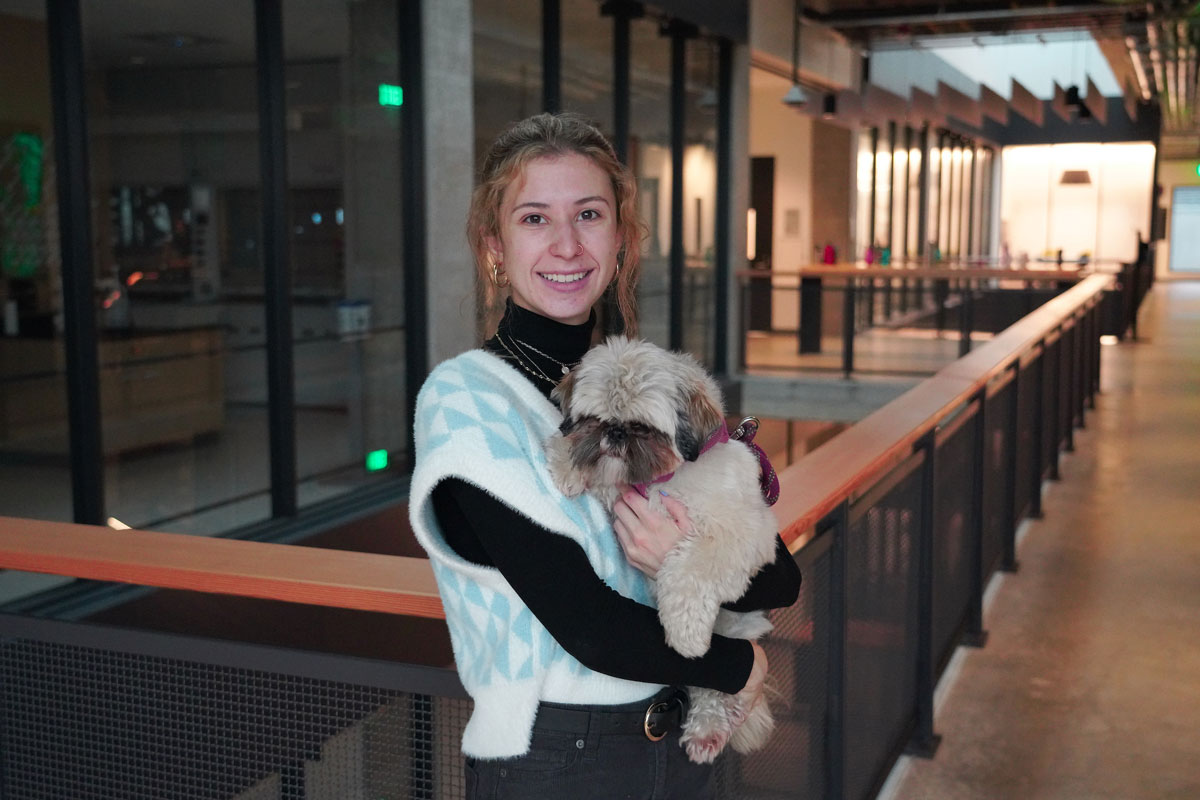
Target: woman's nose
565 243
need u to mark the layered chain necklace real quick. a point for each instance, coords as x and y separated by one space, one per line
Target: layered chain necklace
520 352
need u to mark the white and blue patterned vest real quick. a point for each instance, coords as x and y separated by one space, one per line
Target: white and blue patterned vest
481 421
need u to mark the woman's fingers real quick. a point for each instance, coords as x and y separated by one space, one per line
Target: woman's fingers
646 534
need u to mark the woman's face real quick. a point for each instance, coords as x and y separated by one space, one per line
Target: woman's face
558 238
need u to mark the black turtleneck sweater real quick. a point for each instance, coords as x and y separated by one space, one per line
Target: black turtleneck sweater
603 630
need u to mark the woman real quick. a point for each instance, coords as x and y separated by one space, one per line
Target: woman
552 624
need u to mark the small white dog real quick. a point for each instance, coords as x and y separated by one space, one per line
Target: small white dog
637 414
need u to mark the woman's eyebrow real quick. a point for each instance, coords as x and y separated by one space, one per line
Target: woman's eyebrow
596 198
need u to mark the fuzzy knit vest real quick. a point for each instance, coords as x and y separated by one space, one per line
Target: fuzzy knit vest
479 420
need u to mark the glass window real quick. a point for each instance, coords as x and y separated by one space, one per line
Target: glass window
946 199
344 102
986 162
173 118
883 188
969 189
865 196
899 193
650 160
35 476
587 62
913 247
507 48
933 199
700 198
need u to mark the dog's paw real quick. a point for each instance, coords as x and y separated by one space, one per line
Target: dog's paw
707 728
705 749
570 483
754 730
690 641
566 478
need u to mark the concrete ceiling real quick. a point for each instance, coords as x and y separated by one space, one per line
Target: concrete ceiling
1150 46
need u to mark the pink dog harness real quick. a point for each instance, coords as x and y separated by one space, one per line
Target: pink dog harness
768 481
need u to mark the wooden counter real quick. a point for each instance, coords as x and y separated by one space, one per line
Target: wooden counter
156 387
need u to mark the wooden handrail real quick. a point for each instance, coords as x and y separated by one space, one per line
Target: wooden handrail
860 270
317 576
811 488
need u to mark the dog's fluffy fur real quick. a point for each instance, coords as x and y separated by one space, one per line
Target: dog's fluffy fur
632 413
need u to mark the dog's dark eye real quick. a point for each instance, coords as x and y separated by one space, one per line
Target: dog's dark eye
638 428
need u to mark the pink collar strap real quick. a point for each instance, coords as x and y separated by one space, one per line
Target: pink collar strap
768 481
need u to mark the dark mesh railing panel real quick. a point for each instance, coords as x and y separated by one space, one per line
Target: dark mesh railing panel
953 526
1066 399
84 723
792 764
997 478
1052 431
881 632
1026 406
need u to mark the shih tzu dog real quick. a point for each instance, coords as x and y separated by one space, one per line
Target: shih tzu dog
640 415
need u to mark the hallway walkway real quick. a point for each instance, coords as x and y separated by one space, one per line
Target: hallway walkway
1089 686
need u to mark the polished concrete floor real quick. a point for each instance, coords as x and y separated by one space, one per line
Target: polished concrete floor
1089 685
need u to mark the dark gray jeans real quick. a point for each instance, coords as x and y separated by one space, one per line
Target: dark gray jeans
593 762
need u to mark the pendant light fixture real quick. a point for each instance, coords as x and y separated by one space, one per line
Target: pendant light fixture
796 96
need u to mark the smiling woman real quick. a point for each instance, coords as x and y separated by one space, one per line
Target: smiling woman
558 238
554 220
553 625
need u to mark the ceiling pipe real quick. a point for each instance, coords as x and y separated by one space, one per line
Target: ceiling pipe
1139 68
1170 69
1182 53
1192 79
1155 55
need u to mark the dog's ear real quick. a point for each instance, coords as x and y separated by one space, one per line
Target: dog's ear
562 394
699 415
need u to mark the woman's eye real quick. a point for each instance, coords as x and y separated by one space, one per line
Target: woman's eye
533 219
589 213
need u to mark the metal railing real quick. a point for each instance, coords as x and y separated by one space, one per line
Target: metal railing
960 301
897 523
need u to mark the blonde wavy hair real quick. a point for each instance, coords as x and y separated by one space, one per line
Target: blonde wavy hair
541 136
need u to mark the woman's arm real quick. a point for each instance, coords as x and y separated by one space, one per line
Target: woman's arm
603 630
777 585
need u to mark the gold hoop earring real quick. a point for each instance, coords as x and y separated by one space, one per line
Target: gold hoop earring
497 273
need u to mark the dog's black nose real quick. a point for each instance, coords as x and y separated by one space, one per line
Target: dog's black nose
616 434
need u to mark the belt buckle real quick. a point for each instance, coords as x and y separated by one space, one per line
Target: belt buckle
654 708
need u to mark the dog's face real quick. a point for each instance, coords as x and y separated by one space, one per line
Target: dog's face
633 411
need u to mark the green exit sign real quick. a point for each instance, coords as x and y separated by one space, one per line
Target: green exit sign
390 95
377 460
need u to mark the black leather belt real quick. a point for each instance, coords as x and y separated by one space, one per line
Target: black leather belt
654 718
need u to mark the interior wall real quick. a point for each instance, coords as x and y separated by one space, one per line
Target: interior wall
833 177
1101 218
778 131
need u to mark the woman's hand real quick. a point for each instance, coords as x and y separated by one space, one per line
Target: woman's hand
646 534
752 693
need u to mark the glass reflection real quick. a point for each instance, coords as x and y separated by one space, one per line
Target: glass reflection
173 117
650 160
347 228
587 62
507 48
35 476
700 193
